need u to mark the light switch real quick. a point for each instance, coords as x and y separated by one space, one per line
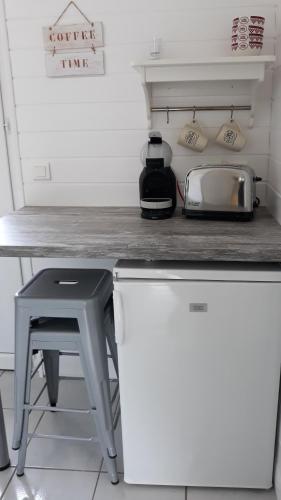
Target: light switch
42 172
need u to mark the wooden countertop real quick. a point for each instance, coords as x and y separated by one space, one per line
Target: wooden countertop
120 233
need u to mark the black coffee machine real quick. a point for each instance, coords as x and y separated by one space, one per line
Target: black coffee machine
157 183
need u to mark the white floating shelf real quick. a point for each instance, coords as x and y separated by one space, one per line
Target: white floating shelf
251 68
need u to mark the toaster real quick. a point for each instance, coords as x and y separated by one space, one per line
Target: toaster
220 192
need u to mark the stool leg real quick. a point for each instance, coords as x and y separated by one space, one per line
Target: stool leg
4 454
24 438
51 363
110 336
110 462
22 324
98 417
93 340
94 362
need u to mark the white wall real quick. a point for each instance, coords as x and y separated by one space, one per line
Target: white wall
274 194
91 129
10 270
274 184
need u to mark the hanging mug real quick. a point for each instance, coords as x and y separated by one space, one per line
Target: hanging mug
192 136
230 135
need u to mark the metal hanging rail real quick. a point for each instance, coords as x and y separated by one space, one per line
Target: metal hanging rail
166 109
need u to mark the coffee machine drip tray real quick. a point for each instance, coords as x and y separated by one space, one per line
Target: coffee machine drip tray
156 208
156 203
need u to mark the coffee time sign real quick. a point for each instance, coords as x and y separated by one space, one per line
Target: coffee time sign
81 63
71 49
73 36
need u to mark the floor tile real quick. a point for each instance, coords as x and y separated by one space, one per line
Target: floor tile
73 394
51 453
9 423
40 484
7 389
5 476
122 491
229 494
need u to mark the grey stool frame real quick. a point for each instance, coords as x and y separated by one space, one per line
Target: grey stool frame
71 296
4 454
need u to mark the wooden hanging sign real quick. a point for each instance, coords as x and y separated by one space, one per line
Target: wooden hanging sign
73 36
71 48
79 63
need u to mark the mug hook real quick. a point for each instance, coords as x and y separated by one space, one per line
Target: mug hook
231 113
194 114
168 114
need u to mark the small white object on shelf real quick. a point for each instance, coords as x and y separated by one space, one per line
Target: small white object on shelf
249 68
156 47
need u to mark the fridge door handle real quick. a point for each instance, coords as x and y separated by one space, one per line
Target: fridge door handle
119 317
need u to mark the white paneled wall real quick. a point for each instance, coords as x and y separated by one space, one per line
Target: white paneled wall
90 129
274 197
274 184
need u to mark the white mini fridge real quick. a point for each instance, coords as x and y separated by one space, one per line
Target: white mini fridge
199 365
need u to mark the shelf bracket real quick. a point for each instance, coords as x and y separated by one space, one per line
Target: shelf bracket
147 90
254 94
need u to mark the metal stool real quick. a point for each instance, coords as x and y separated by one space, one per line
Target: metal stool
66 310
4 454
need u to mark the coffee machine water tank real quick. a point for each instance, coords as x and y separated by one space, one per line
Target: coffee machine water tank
157 183
156 148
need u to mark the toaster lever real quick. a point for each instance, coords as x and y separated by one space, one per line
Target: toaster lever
241 184
257 179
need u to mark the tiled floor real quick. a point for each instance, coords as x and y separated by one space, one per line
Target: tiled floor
64 469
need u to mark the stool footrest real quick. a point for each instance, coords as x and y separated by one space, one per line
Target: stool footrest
54 409
91 439
69 353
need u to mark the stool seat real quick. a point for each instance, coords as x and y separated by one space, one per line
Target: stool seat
67 284
66 311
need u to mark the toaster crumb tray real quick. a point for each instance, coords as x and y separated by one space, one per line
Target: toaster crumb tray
217 215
